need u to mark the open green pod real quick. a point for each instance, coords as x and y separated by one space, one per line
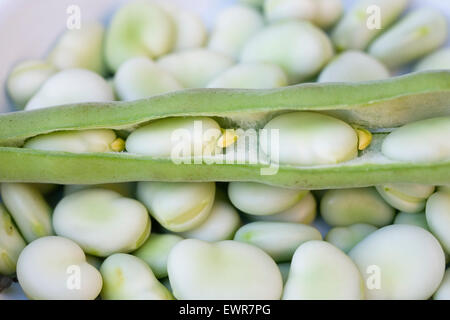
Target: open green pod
375 106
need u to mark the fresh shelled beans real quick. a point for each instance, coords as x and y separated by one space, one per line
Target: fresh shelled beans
409 197
153 33
344 207
25 80
221 223
177 206
126 277
443 293
233 27
139 78
306 49
189 28
155 252
438 217
319 270
100 140
157 138
260 199
303 212
353 66
400 262
352 32
45 266
80 48
222 270
415 219
92 217
11 243
363 143
28 208
125 189
251 76
421 141
437 60
345 238
414 36
308 138
71 86
195 68
323 13
278 239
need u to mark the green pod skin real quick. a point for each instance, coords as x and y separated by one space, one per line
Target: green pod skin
352 31
438 217
409 198
298 47
438 60
416 35
25 80
29 210
344 207
11 243
376 106
345 238
353 66
415 219
155 252
277 239
152 28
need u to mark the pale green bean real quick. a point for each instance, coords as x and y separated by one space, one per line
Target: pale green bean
127 277
29 209
92 217
178 206
11 243
277 239
344 207
222 270
155 252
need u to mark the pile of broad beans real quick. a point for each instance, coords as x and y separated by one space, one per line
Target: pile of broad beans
102 198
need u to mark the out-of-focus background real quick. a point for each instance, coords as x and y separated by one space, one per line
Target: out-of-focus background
29 27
